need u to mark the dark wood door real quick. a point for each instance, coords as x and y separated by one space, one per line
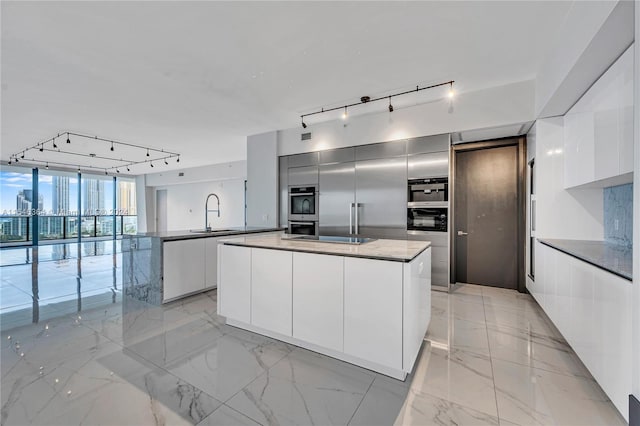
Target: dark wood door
486 216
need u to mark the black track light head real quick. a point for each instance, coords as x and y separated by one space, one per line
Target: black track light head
9 160
128 169
105 172
151 164
68 140
41 147
147 152
111 146
165 162
22 156
47 166
178 160
304 125
16 158
117 171
54 143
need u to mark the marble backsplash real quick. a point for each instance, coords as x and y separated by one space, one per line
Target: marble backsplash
618 214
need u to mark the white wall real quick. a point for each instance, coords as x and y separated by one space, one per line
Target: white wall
594 34
567 214
185 204
213 172
262 179
636 217
496 106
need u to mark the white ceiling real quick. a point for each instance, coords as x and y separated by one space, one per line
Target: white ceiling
198 77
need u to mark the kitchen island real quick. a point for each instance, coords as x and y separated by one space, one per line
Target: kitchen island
368 304
159 267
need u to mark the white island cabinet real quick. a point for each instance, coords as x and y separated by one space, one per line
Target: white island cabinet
368 305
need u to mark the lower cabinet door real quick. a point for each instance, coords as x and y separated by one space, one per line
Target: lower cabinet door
318 299
183 267
373 310
271 290
234 288
211 262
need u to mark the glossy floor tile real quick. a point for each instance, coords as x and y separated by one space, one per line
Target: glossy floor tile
491 357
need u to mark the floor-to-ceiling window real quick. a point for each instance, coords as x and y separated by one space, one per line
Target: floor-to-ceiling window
68 204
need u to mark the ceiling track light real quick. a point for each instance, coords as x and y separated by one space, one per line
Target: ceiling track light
143 154
368 99
151 163
47 166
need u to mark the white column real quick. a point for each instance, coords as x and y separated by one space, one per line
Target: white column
636 214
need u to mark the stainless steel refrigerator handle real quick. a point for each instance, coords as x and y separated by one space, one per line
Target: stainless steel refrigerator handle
357 220
350 218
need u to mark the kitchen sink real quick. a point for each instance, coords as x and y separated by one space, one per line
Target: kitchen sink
210 231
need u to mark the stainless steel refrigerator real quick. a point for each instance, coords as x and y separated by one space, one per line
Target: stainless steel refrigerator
363 191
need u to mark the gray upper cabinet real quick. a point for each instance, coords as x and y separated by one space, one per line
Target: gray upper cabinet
302 160
428 144
435 164
341 155
303 175
381 150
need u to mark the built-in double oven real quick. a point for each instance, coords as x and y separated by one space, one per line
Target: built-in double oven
427 208
303 210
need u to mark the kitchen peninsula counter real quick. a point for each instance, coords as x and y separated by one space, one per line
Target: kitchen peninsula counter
391 250
159 267
367 304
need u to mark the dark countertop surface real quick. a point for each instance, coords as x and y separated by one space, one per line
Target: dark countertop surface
610 257
219 232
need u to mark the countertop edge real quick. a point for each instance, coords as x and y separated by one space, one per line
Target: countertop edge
585 259
301 250
196 235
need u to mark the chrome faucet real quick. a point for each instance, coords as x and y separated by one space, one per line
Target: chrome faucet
206 211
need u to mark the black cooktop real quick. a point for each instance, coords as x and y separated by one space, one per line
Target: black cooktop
332 239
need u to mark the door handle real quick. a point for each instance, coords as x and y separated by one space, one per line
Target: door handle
350 218
357 220
462 233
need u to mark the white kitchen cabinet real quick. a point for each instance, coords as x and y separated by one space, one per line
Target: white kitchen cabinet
318 299
271 290
183 267
592 309
416 312
373 310
211 262
598 130
234 297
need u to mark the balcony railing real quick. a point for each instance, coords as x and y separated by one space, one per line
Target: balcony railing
15 229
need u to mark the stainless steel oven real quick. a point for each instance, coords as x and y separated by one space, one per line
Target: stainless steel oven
303 228
428 190
427 217
303 203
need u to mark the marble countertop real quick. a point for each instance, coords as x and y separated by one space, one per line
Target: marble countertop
610 257
220 232
394 250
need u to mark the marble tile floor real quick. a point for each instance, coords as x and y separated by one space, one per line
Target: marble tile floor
491 357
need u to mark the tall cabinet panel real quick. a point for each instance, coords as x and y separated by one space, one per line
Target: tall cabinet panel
337 198
381 197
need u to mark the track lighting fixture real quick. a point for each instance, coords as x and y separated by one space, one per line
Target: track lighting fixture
451 94
368 99
143 155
